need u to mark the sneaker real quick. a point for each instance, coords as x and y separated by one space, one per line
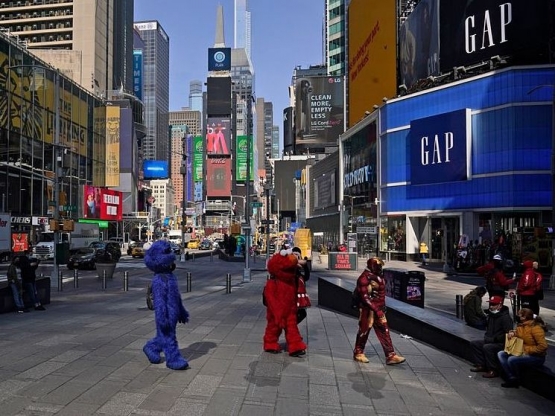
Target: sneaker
39 308
393 359
361 358
490 374
20 311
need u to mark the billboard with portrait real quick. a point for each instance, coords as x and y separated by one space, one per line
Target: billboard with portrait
218 177
218 136
475 31
419 44
155 169
319 110
102 203
372 32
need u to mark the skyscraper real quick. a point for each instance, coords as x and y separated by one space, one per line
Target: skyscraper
242 29
156 89
89 40
336 36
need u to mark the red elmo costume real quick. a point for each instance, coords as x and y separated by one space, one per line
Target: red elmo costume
281 301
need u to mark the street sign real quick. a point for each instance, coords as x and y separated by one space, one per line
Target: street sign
267 222
367 230
256 204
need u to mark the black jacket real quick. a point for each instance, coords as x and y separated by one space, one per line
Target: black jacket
498 325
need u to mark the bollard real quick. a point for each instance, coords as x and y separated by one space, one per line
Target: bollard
60 281
104 280
228 283
193 256
41 275
211 256
75 279
459 306
125 281
188 289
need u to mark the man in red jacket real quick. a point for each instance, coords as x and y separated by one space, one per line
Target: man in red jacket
526 288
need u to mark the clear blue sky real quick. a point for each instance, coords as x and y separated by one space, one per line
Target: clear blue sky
285 33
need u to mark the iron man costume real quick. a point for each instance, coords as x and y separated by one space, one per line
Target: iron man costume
371 295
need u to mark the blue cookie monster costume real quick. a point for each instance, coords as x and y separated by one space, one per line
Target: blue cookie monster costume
168 307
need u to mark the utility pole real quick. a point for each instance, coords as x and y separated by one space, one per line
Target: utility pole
183 171
247 271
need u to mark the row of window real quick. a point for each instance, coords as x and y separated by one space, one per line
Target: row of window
36 15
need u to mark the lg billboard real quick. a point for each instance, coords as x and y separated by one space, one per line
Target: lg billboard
319 110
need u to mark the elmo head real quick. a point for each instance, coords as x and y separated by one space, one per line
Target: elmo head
283 265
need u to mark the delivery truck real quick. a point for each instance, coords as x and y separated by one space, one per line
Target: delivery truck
82 235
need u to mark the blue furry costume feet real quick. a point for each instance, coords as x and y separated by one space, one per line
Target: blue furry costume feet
168 307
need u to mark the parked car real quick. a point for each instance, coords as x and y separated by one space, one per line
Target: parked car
130 246
138 250
175 248
218 243
83 258
193 244
107 251
205 245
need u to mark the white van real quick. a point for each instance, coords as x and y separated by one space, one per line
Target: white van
175 236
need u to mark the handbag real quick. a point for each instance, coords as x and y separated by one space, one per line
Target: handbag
149 297
514 346
303 301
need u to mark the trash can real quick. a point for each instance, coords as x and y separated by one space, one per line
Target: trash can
406 286
62 253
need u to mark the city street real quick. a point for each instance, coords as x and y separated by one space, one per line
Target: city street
82 356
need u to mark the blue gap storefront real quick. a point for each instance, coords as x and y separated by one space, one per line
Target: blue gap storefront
468 165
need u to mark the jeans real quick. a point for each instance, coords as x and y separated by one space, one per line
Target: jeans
510 363
31 290
17 296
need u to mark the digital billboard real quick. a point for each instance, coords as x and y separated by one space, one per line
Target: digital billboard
218 177
218 136
102 203
360 163
138 73
219 59
155 169
319 110
112 145
218 96
419 44
372 29
288 130
198 158
475 31
241 159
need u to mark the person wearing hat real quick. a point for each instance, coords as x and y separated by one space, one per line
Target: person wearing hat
485 351
496 281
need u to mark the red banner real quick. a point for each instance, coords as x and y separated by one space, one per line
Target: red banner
102 203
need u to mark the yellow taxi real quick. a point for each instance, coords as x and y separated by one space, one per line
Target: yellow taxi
138 250
193 244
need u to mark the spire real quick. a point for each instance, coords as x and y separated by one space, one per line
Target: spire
220 41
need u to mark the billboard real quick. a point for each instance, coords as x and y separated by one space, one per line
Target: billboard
419 44
102 203
218 96
241 160
319 110
360 163
475 31
198 158
372 29
218 136
218 177
288 136
112 145
440 148
155 169
219 59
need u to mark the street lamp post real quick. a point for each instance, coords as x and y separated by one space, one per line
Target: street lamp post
184 196
247 271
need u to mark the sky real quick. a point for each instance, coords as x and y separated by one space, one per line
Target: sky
285 34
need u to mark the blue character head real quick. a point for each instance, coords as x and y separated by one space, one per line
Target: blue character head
159 257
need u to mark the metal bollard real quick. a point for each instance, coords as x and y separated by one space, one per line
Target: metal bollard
459 306
188 289
75 279
125 281
60 281
193 256
211 256
104 286
228 283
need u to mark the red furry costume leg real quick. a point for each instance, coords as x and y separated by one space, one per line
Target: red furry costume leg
281 299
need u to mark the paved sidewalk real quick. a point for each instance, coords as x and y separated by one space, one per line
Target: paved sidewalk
83 356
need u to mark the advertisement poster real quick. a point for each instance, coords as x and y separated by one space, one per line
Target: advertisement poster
218 177
112 145
20 242
102 203
342 261
241 164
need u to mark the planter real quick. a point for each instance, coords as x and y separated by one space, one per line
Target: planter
109 268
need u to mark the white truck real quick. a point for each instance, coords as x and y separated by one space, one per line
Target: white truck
5 237
175 236
81 236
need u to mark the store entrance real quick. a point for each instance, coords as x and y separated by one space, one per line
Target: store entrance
445 236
